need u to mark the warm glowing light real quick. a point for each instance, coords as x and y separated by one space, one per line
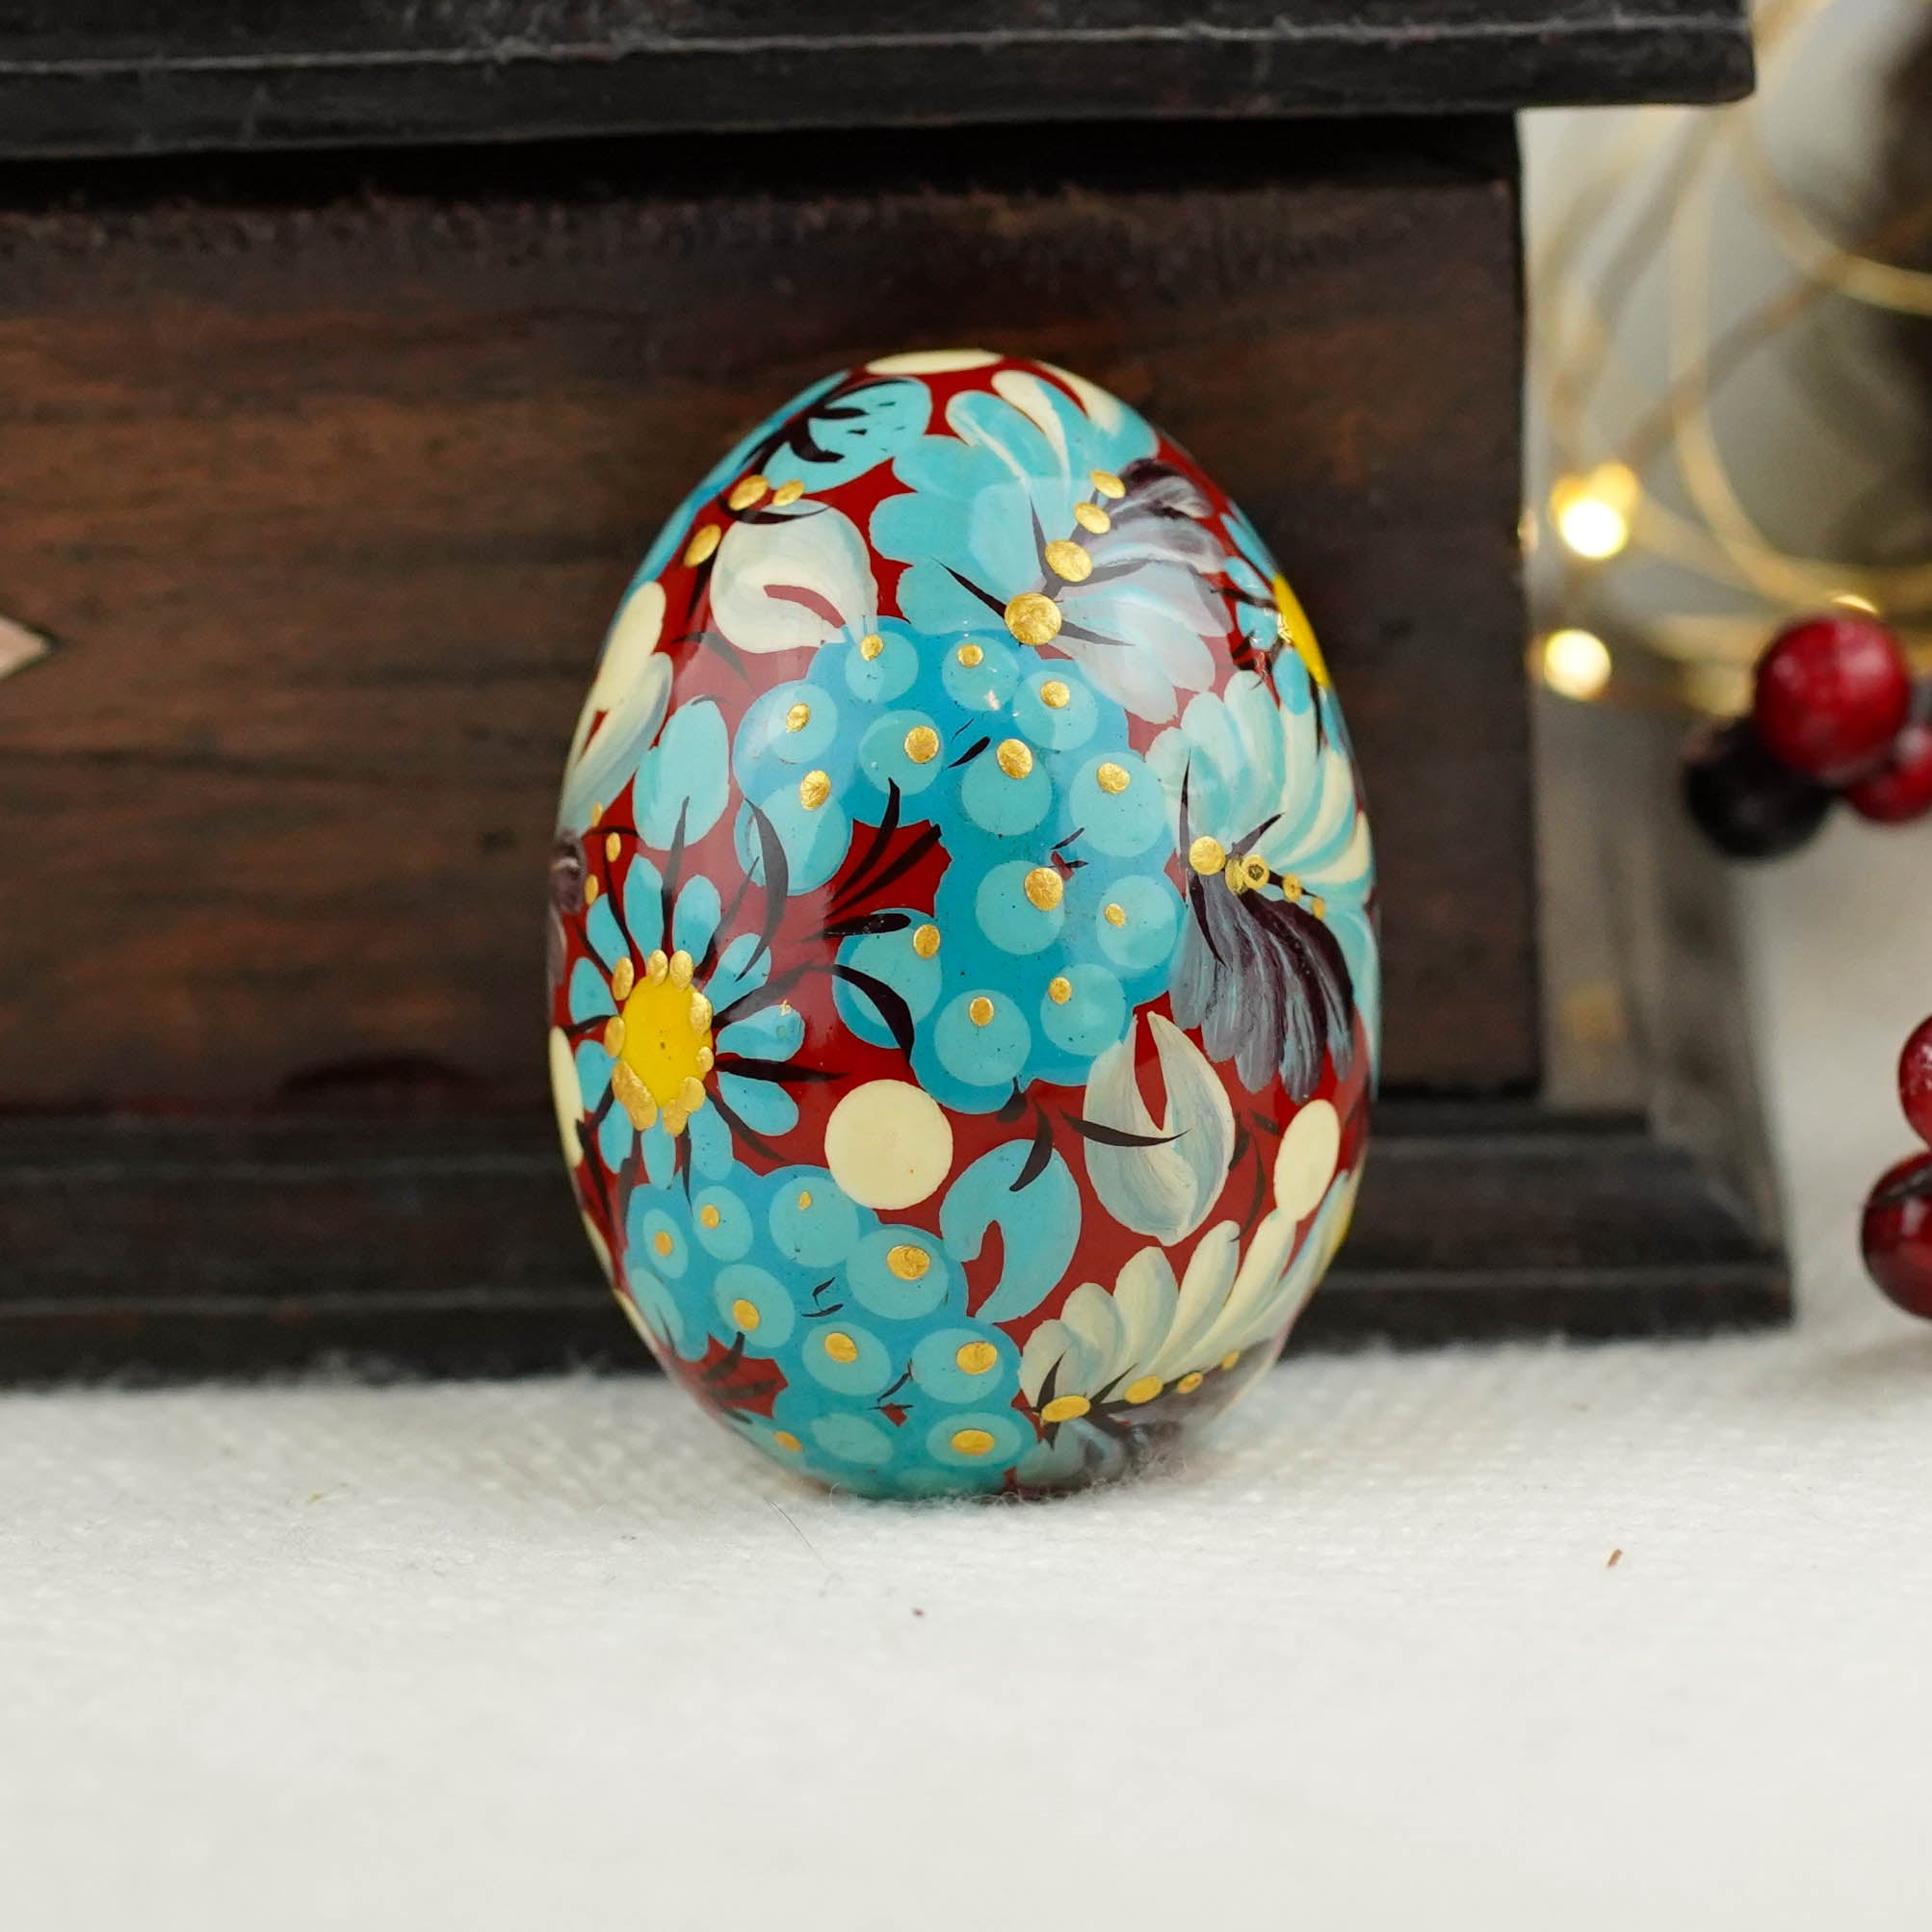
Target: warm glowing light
1575 664
1850 600
1593 513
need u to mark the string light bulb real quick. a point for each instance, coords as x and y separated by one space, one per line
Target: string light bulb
1575 664
1592 514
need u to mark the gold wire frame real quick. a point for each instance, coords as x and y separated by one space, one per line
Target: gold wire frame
1673 164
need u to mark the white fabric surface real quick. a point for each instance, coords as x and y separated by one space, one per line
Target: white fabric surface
557 1655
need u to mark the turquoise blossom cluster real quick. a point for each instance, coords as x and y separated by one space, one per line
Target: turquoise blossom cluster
890 1385
1054 916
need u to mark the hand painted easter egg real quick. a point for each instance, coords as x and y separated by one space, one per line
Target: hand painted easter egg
964 988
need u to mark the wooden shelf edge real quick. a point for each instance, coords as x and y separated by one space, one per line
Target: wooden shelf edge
159 1249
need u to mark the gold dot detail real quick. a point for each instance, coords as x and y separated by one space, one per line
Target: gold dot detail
977 1357
708 1217
908 1261
613 846
1143 1391
1229 1360
787 492
926 941
680 966
921 745
871 645
633 1096
971 656
804 1197
814 789
623 977
699 549
614 1034
1066 559
1207 855
662 1241
1093 519
1114 914
746 491
1055 694
590 891
1065 1409
1060 989
841 1346
1112 777
1188 1383
971 1442
1014 758
797 717
1044 887
1033 619
981 1010
787 1441
1107 483
745 1314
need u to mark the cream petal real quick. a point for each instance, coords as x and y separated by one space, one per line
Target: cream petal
976 426
793 583
633 639
1198 1114
1336 800
1356 858
1112 1096
1145 1296
1165 1189
1305 1161
1029 395
567 1092
932 361
1336 1230
1045 1347
1107 412
1256 1306
1089 1317
597 771
1203 1290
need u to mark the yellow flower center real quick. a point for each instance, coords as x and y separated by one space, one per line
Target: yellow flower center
1295 631
667 1042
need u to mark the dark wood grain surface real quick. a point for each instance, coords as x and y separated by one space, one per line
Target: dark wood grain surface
142 76
325 480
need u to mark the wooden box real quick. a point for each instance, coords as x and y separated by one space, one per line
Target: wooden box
349 356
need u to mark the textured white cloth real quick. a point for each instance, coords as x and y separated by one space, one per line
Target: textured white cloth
557 1654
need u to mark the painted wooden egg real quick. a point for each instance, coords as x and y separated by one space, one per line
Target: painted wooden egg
964 987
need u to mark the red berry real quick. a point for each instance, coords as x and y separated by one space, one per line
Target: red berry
1897 1234
1833 693
1746 803
1901 787
1914 1081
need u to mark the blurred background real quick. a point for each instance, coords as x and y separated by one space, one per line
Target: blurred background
1730 426
1732 390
